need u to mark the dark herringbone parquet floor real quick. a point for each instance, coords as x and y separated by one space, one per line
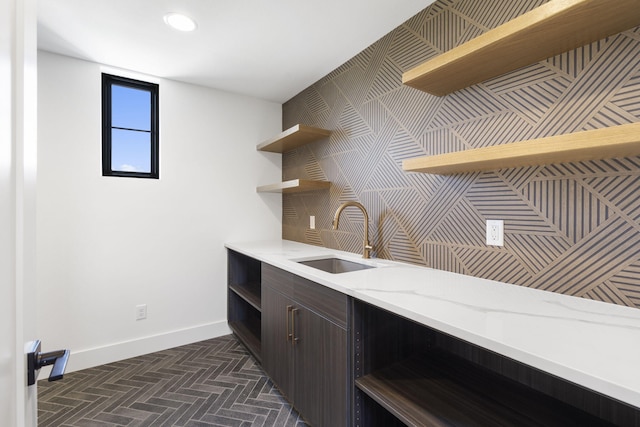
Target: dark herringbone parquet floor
210 383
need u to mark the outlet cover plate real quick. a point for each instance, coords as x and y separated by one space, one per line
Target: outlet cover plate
141 312
495 232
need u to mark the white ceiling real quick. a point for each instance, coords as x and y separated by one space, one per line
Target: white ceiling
270 49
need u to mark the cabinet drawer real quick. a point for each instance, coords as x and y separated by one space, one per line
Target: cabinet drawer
275 278
326 302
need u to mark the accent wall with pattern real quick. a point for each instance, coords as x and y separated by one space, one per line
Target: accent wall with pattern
571 228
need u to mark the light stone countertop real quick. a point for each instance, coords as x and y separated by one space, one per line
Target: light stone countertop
591 343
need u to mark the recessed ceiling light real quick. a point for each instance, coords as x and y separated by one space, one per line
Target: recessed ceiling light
180 22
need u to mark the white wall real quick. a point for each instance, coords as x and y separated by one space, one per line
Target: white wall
106 244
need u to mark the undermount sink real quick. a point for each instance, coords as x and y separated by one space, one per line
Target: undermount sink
336 265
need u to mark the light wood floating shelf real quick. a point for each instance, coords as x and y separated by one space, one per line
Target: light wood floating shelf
607 143
553 28
294 186
292 138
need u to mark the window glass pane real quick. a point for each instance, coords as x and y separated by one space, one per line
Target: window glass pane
130 151
130 108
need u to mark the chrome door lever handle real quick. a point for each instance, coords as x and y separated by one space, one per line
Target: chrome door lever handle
36 360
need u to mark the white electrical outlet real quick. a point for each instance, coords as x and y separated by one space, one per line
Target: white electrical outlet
495 232
141 312
312 222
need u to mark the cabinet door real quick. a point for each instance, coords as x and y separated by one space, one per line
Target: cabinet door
277 356
320 375
336 384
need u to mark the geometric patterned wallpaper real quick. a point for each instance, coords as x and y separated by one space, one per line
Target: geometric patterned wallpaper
572 228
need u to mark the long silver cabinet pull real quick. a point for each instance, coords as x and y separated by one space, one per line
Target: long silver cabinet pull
289 333
293 326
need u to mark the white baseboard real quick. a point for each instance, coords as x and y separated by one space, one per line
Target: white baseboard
83 359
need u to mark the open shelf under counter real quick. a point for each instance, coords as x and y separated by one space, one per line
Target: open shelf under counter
548 30
250 292
294 186
606 143
437 389
244 314
250 336
293 138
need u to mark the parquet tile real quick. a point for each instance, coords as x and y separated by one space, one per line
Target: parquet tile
210 383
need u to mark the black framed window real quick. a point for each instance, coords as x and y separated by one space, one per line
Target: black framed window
130 140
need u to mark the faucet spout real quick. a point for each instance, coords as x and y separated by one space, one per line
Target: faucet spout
367 248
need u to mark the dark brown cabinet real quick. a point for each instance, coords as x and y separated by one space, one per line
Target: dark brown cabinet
244 312
276 337
343 362
305 345
410 375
